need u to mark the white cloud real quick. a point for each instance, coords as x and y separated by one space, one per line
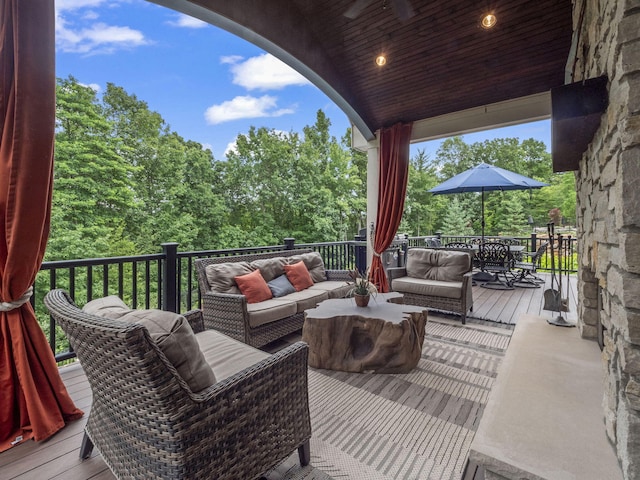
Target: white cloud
232 147
264 72
98 38
93 86
185 21
77 4
230 59
245 107
91 38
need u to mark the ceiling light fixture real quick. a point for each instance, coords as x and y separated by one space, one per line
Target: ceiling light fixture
488 21
381 60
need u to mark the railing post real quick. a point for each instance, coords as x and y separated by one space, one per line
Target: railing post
169 277
534 241
360 251
289 243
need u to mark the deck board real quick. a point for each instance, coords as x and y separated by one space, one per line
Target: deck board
57 458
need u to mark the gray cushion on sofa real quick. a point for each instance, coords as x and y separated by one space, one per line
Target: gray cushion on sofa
270 311
281 286
420 286
270 268
335 288
221 277
442 265
314 263
307 298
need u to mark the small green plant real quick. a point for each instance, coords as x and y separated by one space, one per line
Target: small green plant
361 284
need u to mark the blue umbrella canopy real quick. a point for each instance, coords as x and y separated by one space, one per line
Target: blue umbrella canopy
486 178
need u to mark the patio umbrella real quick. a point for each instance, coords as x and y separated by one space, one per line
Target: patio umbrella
485 178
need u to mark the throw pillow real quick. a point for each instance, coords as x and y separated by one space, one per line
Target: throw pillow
298 275
281 286
314 263
253 286
111 307
174 336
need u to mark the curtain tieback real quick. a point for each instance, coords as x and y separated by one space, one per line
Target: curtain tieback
7 306
376 254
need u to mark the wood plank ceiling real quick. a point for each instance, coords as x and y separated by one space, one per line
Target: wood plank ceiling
439 61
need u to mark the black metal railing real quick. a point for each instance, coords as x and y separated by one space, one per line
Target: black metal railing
164 280
168 280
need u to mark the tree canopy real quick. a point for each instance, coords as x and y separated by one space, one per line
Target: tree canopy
124 183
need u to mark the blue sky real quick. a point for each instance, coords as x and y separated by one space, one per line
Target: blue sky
207 84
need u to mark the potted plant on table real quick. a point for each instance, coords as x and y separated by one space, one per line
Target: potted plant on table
362 288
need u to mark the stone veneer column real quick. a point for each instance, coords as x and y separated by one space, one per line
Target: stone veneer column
608 212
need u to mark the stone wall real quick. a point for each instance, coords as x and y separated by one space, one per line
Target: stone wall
608 210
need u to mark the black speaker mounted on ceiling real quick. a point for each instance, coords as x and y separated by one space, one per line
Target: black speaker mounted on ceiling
576 109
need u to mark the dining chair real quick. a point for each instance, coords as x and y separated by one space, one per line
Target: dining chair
496 259
526 277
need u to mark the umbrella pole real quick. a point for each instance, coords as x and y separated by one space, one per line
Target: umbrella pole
482 276
482 216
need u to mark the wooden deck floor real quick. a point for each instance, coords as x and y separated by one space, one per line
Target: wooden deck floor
57 458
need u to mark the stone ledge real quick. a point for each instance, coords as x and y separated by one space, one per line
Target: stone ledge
544 418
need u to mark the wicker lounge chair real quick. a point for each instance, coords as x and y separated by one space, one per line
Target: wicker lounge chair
147 423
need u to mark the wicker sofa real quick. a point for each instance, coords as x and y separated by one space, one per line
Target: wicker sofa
147 419
227 310
438 279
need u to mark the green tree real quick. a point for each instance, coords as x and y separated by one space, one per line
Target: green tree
92 184
456 222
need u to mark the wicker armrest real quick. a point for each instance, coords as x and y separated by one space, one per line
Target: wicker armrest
338 275
260 412
395 272
194 317
226 313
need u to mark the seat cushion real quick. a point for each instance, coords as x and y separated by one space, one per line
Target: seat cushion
442 265
306 299
173 334
420 286
107 307
335 289
270 311
225 355
253 287
298 275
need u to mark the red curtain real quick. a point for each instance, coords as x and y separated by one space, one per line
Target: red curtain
392 188
34 402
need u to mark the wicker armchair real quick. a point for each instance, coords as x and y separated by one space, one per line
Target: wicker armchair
147 423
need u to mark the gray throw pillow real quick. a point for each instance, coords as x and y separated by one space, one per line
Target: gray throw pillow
107 307
173 334
281 286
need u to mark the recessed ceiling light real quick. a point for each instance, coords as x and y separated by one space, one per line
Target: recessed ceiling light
488 21
381 60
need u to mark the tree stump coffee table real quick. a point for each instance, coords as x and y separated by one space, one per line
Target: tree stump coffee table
382 337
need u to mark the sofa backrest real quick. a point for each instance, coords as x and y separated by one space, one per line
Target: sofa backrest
218 274
442 265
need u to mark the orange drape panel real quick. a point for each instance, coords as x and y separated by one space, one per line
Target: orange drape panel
34 402
392 188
